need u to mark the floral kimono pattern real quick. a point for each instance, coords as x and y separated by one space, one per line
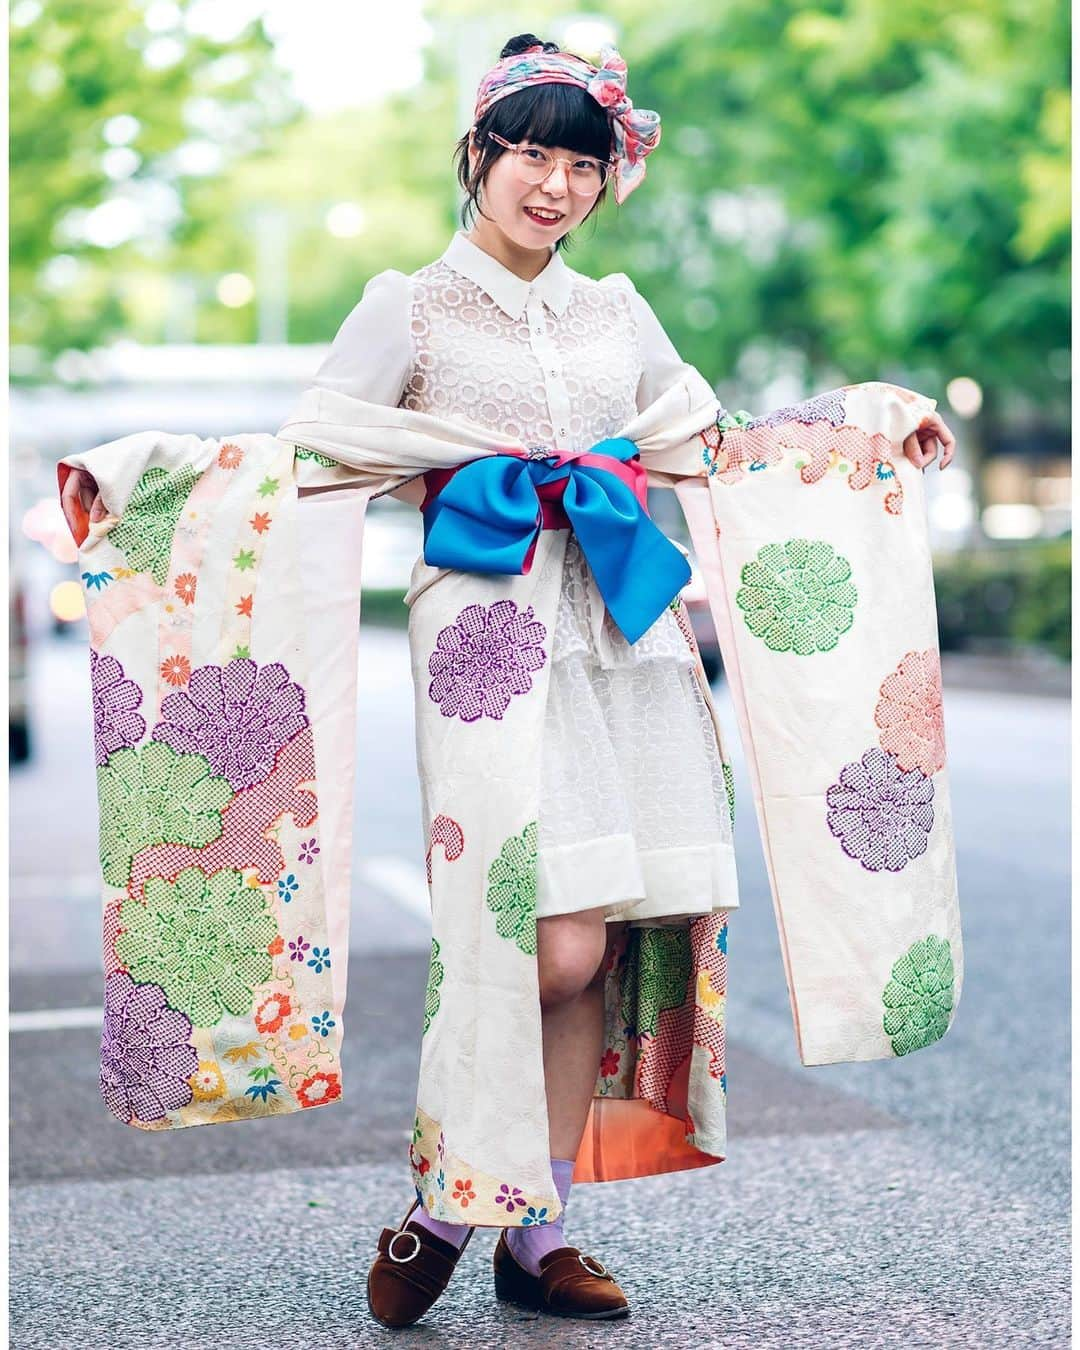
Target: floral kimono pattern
223 682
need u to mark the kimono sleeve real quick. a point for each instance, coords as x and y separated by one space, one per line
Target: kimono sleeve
662 366
371 356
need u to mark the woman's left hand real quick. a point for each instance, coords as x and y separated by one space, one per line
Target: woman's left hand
921 446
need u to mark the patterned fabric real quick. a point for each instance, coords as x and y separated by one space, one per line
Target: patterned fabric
225 859
635 131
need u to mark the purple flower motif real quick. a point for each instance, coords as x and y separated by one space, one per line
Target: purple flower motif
484 658
238 716
308 849
298 949
827 407
881 814
146 1060
116 723
510 1197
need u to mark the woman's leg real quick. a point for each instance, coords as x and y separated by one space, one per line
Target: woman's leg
572 953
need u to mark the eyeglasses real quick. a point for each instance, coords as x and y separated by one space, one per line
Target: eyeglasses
585 176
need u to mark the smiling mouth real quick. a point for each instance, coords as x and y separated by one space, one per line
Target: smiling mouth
555 215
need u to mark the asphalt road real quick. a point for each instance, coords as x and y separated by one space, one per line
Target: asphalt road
914 1202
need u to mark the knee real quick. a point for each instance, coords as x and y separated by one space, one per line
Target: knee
570 956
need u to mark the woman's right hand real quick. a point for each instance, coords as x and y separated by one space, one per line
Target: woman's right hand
80 498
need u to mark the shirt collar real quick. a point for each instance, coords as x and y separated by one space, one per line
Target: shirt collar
509 291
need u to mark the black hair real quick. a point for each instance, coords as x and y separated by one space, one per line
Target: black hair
548 114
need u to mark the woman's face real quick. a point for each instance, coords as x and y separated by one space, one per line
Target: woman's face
504 197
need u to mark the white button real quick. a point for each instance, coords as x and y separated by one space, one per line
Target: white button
554 370
562 431
538 330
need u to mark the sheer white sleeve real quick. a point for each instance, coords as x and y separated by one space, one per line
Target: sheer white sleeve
662 365
371 356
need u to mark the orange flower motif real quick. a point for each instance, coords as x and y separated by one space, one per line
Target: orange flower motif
277 946
260 522
230 456
243 605
176 670
463 1191
270 1015
319 1089
185 587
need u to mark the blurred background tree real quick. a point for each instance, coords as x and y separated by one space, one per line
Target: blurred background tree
118 111
856 191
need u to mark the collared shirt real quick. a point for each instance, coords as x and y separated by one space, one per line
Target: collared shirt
560 361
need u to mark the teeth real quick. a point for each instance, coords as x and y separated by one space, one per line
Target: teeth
547 215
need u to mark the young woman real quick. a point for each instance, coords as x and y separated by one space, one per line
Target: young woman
634 823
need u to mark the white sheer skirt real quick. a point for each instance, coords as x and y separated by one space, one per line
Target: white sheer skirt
634 813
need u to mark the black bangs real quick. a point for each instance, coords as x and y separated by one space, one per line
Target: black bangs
553 114
548 114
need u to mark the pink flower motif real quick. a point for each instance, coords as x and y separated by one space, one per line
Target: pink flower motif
910 714
484 659
308 850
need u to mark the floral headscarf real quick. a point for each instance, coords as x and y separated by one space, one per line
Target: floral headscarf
635 131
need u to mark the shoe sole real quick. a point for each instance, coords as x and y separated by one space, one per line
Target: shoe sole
504 1290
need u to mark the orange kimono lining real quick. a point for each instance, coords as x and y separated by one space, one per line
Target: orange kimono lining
627 1137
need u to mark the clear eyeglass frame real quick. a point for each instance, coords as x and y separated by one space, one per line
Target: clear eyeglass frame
538 170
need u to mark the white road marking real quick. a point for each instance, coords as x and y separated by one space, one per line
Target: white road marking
402 882
55 1019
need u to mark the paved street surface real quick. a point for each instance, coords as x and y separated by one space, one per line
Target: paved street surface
914 1202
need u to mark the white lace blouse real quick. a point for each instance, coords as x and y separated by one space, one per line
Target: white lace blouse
562 361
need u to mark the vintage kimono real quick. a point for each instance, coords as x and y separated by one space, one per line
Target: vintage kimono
223 599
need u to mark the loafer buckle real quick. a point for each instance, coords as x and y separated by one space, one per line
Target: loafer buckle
584 1259
403 1233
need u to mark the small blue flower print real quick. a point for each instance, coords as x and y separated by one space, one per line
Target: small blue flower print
96 579
298 949
755 465
288 887
534 1216
308 849
440 1180
721 939
322 1022
320 959
883 470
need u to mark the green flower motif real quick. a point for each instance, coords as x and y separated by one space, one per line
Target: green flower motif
655 976
436 971
324 460
729 788
511 892
242 653
798 596
203 939
268 487
244 560
155 795
919 997
145 532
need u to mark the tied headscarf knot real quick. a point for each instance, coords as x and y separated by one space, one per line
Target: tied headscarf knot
635 132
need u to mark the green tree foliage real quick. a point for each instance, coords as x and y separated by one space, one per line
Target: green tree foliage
75 67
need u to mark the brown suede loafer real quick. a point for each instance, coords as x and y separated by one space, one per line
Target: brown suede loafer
570 1284
412 1269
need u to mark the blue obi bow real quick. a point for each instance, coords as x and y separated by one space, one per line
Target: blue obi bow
487 518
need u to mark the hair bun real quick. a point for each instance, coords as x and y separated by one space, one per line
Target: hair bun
523 42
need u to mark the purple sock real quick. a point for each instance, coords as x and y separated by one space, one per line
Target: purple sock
528 1245
454 1233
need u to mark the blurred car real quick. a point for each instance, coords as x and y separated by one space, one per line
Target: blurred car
19 745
